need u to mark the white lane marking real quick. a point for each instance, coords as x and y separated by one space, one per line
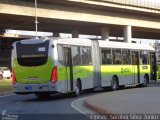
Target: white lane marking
7 95
73 106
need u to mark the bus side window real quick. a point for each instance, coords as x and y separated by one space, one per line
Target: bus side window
106 56
144 57
76 60
60 54
86 55
117 56
126 58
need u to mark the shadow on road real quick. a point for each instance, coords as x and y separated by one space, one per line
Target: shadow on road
55 97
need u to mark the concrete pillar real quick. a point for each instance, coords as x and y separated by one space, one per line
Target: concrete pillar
127 34
75 34
56 34
0 47
105 33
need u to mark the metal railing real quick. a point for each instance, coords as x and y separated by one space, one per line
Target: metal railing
136 3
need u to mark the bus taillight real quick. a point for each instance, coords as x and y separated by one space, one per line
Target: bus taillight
13 78
54 75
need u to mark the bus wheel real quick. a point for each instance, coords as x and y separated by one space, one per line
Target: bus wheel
43 95
146 81
1 77
77 89
114 83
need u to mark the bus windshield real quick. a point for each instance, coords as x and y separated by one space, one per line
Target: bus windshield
32 54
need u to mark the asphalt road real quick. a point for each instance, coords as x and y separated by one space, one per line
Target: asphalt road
58 107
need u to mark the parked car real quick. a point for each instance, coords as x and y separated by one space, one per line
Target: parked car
5 72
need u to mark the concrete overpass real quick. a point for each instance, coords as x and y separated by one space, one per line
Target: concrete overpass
128 18
119 18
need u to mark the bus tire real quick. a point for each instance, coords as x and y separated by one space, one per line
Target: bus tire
146 81
76 93
114 83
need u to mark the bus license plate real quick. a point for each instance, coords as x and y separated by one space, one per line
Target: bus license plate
28 87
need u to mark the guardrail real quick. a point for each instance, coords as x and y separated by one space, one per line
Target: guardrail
146 6
138 3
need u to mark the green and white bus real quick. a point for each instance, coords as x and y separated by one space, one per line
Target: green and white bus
53 65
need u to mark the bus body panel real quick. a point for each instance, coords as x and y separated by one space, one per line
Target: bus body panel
123 72
33 79
85 73
158 71
33 74
96 64
144 70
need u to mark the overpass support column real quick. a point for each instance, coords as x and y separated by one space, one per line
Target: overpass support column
75 34
105 33
128 34
56 34
0 48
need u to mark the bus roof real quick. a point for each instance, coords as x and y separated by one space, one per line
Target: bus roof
75 41
87 42
110 44
123 45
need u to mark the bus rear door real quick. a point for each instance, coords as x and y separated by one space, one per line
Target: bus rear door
69 68
153 64
135 67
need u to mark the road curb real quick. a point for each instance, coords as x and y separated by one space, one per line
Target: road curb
6 93
97 109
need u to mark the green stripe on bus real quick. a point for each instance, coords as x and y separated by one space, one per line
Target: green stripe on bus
82 72
123 70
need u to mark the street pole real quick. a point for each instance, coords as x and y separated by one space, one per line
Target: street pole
36 22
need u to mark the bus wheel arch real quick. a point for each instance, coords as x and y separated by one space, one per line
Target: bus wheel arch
79 80
114 83
78 88
145 80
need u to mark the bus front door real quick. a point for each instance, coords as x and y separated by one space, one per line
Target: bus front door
135 67
69 68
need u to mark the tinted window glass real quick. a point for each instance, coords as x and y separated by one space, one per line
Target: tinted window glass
126 57
60 54
117 56
32 54
106 56
144 57
76 55
135 57
86 55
